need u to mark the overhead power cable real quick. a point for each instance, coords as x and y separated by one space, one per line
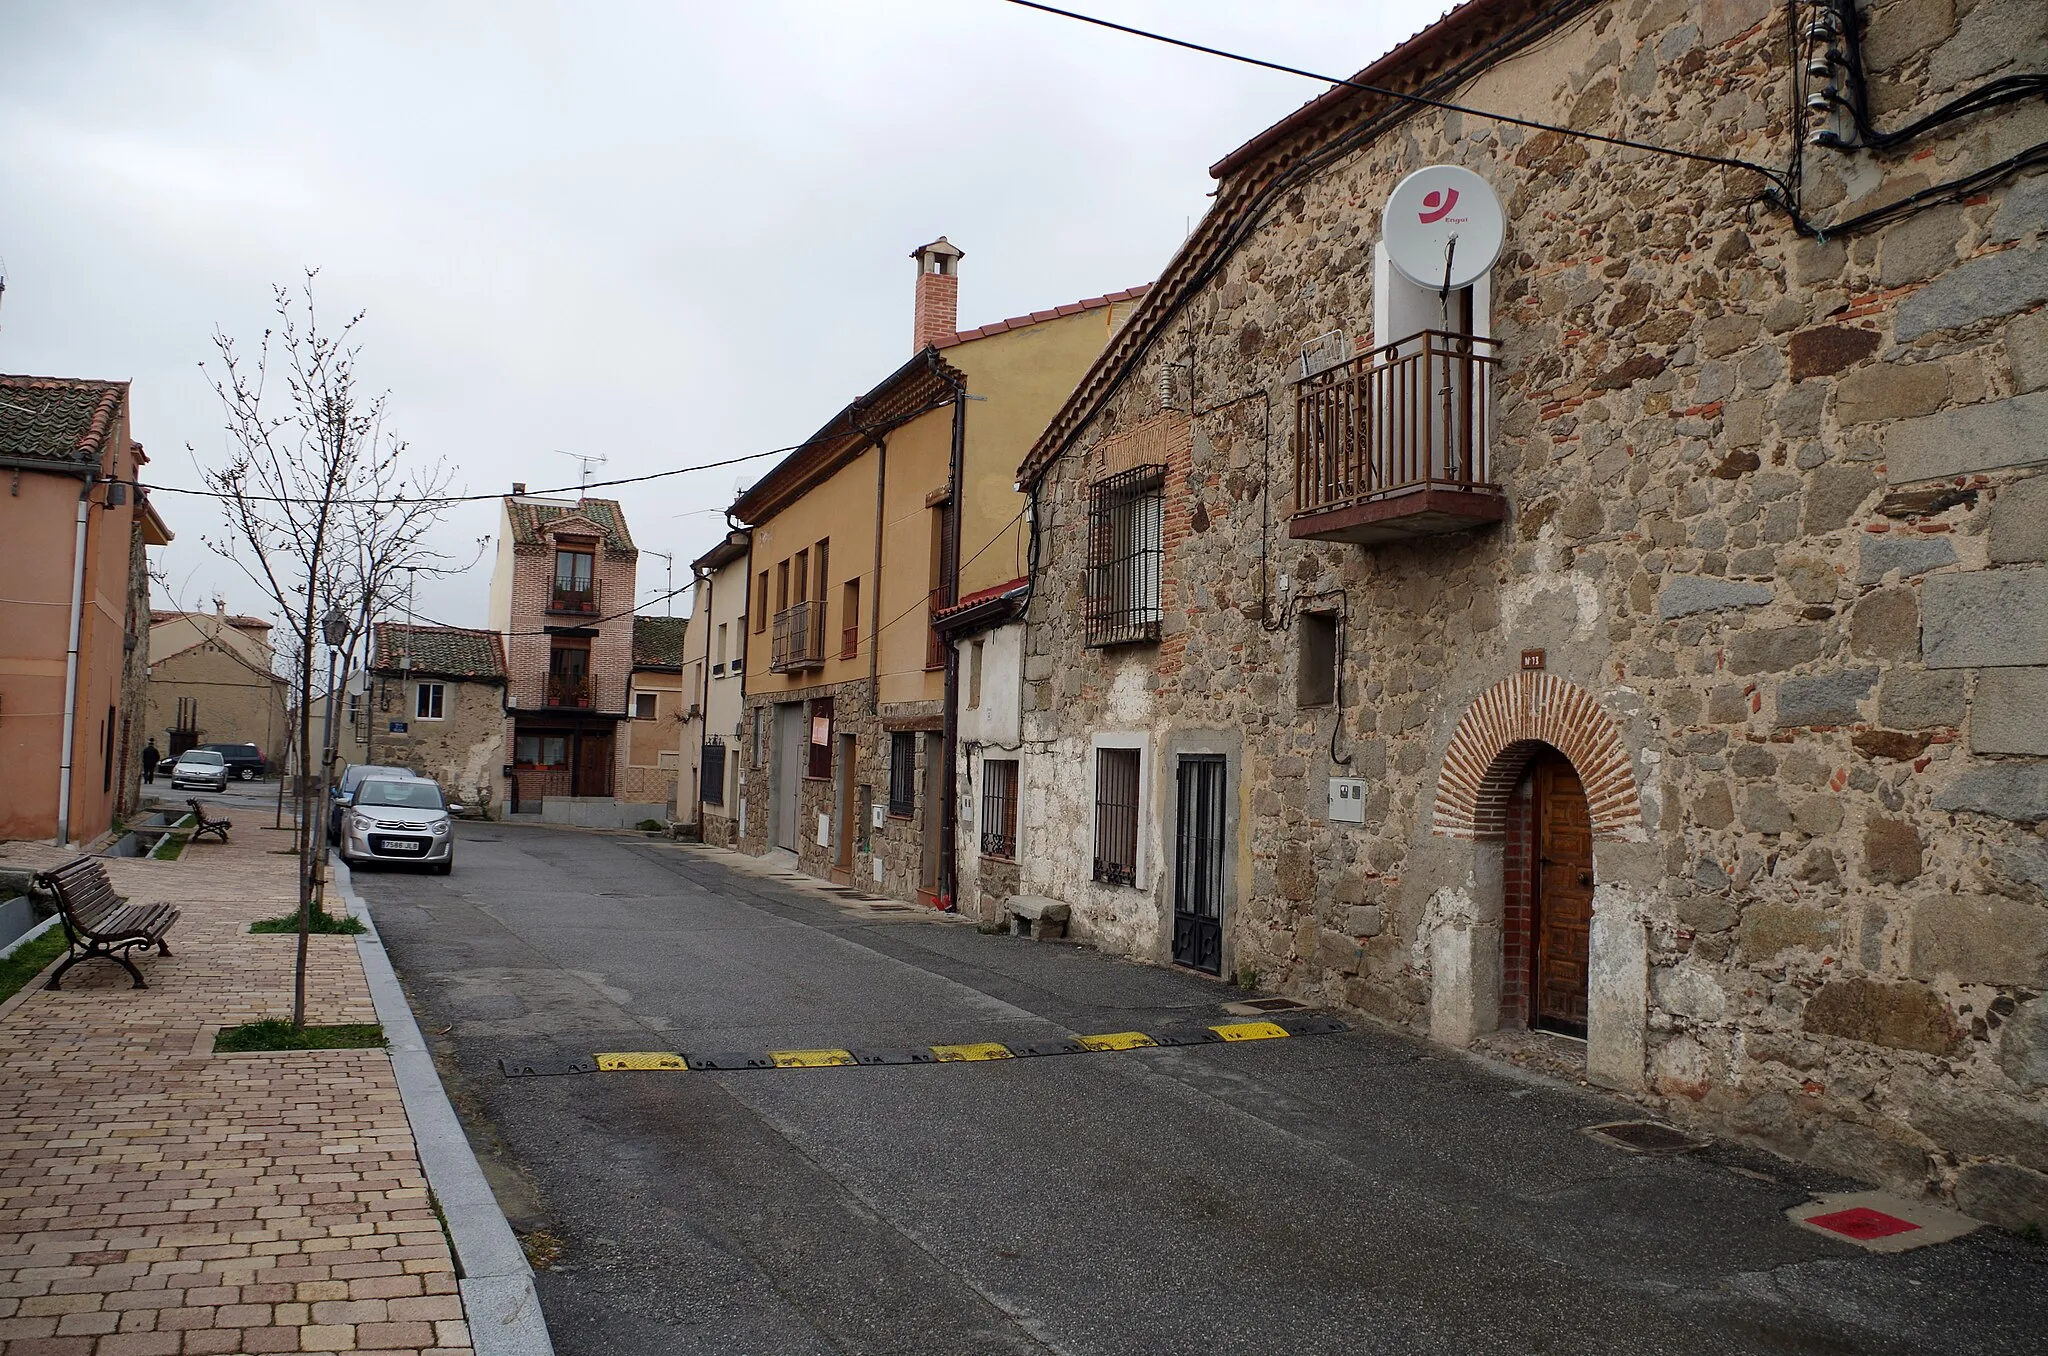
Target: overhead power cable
1775 177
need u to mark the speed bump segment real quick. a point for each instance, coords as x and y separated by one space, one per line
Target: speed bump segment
644 1060
1251 1031
1116 1040
810 1059
974 1052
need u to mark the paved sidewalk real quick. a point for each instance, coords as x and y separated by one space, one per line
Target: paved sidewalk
158 1198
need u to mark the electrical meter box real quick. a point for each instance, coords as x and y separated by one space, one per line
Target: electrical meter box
877 812
1347 800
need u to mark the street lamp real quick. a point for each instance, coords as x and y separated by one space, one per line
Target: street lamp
334 630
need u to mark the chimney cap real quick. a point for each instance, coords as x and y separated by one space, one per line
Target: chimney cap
519 487
940 246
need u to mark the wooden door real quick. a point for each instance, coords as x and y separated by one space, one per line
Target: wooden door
792 743
1564 897
593 769
1198 864
844 826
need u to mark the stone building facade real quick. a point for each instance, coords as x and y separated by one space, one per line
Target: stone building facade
436 704
1745 602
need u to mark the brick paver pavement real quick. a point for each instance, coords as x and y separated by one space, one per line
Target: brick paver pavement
156 1198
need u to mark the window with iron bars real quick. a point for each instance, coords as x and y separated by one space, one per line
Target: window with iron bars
713 775
1126 546
903 773
999 807
1116 816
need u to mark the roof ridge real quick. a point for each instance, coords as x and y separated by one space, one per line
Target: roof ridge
1018 322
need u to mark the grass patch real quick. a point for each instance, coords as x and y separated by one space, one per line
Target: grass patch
170 848
327 924
276 1033
653 826
25 964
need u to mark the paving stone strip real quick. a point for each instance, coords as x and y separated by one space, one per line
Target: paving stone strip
157 1199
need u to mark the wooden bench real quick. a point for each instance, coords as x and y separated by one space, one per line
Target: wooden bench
217 827
99 922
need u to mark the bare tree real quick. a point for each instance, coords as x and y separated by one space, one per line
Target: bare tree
323 511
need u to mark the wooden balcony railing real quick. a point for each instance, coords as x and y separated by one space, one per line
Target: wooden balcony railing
1394 443
799 638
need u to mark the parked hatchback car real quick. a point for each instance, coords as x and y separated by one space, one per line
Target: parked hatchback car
245 761
344 790
201 768
399 819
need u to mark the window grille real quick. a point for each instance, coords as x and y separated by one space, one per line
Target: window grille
713 771
1116 816
999 807
1125 551
903 774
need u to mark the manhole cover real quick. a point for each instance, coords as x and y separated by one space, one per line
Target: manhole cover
1645 1137
1271 1004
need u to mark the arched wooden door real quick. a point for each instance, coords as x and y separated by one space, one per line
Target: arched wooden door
1564 898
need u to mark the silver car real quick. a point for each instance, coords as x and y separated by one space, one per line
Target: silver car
202 768
398 819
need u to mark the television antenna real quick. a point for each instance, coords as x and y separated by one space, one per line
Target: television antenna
669 608
585 461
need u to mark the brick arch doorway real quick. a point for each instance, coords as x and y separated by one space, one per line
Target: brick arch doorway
1547 897
1497 740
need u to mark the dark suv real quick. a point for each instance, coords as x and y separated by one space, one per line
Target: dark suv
244 760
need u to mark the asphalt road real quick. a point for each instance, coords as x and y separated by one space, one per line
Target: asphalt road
1362 1192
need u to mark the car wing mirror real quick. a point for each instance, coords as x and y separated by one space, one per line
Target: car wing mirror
454 808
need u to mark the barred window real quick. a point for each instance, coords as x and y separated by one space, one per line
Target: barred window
1116 816
903 774
713 777
999 807
1125 547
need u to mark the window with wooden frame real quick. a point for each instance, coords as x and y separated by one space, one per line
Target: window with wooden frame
1116 816
999 808
903 774
761 604
1126 547
849 619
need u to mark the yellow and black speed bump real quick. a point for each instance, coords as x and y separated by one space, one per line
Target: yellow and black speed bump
971 1052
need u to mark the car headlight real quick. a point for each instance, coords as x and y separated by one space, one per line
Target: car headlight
440 827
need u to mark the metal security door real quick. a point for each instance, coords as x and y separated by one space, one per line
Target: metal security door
1198 866
791 744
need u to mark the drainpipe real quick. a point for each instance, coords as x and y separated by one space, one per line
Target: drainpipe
949 586
71 659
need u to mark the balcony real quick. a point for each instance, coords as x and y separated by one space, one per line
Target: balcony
573 602
799 641
570 692
1393 445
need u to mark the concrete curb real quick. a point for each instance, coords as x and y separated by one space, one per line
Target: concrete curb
497 1282
25 938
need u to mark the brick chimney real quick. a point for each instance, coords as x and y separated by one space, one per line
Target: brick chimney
937 314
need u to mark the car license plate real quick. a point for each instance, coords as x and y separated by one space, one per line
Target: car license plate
401 846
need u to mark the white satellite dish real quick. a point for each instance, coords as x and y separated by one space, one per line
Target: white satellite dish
1443 227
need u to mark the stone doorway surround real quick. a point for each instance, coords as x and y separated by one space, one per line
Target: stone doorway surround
1496 736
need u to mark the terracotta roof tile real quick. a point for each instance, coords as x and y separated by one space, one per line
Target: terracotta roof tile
58 419
658 642
441 651
530 516
1018 322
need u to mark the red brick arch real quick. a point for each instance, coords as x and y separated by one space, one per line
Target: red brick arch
1509 722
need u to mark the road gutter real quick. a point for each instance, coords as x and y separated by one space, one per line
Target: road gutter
497 1282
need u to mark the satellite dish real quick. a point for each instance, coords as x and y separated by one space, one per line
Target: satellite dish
1443 227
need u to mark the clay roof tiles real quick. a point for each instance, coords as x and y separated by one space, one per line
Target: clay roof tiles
658 642
58 419
530 516
439 651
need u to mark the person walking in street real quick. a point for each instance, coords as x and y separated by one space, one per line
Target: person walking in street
150 758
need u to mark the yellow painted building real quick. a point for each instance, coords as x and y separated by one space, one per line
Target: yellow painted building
858 538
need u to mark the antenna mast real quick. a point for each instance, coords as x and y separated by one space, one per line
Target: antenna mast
584 461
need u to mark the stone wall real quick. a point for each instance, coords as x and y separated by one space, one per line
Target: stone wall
464 751
1777 516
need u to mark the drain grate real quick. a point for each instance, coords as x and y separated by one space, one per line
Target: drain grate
1271 1004
1645 1137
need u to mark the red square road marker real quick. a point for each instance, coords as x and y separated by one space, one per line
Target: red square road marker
1862 1222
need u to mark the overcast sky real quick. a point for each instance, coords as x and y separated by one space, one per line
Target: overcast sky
661 234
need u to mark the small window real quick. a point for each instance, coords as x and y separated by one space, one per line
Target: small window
644 704
1315 662
427 702
761 605
999 807
974 674
1116 816
1126 524
849 620
718 664
903 774
820 766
